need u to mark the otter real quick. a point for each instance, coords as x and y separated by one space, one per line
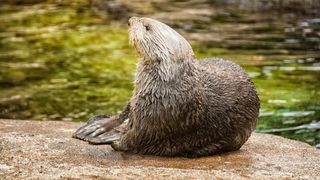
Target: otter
181 106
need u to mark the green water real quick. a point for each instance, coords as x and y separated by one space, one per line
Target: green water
66 61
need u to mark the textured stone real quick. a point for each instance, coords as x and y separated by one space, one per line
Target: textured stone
45 150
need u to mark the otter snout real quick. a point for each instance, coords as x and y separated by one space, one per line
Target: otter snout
132 20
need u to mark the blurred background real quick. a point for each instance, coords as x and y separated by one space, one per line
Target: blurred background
68 60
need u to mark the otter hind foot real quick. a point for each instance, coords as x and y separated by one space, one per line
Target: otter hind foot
98 130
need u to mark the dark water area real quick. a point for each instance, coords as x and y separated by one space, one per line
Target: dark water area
69 60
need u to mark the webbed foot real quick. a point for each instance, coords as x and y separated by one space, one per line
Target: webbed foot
99 130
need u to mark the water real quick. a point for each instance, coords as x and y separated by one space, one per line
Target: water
62 61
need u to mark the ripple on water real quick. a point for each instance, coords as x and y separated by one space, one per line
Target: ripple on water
277 101
287 114
313 125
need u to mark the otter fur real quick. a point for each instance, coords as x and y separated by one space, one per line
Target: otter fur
180 106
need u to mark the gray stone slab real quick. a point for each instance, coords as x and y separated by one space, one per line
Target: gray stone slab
45 150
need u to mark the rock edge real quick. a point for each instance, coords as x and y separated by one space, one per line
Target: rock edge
45 150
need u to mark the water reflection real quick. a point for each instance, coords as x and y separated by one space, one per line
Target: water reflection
312 125
305 33
288 114
294 110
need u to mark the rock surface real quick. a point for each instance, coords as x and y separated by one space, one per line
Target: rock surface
45 150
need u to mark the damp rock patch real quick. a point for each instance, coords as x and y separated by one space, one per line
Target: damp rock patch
45 150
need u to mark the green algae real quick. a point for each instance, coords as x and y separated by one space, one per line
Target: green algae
74 63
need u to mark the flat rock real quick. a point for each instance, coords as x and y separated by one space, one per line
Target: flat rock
45 150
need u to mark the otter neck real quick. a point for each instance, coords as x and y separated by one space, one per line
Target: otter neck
162 72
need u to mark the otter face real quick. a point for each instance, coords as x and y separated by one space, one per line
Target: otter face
157 42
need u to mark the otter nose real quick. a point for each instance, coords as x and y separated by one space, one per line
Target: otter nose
131 20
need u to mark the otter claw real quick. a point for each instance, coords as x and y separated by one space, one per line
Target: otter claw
105 138
98 130
86 130
92 125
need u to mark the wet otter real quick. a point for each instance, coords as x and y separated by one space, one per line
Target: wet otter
181 106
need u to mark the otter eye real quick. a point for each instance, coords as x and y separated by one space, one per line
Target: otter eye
147 27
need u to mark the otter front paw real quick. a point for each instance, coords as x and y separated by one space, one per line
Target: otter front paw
98 130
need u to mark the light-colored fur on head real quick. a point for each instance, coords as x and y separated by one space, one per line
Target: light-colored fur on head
156 41
159 47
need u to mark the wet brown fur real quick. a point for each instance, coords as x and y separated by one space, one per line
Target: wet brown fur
181 106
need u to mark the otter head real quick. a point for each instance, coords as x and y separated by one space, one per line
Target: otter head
156 42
